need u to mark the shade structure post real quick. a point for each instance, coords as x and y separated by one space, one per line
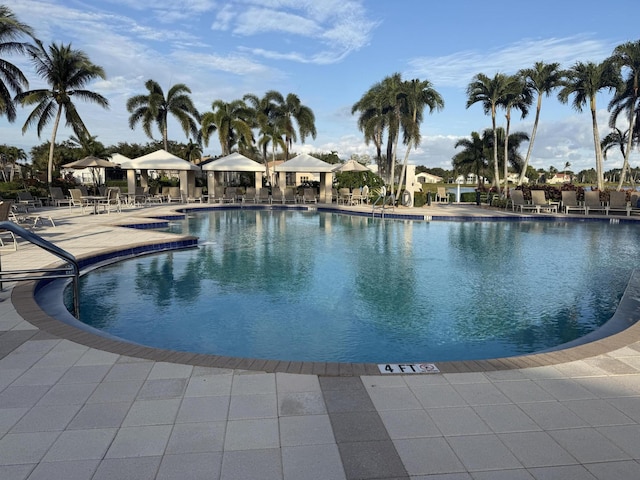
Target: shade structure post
131 181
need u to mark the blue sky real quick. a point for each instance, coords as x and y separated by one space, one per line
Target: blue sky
329 52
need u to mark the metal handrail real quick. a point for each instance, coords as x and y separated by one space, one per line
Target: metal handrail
71 270
383 197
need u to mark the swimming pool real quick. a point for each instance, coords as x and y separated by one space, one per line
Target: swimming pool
310 286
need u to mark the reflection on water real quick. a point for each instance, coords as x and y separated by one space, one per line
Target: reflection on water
328 287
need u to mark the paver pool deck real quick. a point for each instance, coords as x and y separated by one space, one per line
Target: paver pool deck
75 406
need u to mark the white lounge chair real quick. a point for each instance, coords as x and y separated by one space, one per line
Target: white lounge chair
570 202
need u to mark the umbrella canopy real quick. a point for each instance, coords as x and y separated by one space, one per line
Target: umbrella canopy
351 166
305 163
158 160
234 162
90 161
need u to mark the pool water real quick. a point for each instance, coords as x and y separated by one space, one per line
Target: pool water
308 286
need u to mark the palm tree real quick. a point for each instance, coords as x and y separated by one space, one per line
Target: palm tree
231 120
584 81
472 158
543 78
417 95
291 109
66 71
616 139
372 122
12 80
154 108
519 97
490 92
627 56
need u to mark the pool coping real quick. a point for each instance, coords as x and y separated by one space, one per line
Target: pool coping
620 331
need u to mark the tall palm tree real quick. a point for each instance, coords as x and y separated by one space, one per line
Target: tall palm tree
232 121
616 139
627 56
417 94
66 71
154 108
12 80
490 92
372 122
473 158
392 98
584 81
518 96
543 78
290 111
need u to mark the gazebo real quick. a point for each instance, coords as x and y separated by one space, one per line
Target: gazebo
234 162
306 163
160 160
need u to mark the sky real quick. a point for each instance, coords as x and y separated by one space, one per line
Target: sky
329 53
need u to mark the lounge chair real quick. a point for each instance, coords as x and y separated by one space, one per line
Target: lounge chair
29 200
570 202
618 203
441 195
276 195
57 197
5 213
518 202
249 195
195 195
309 196
229 195
175 195
539 200
264 196
593 203
112 201
290 196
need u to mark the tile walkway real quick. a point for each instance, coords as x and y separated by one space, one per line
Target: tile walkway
71 411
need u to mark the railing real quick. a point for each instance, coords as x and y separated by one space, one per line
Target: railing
71 270
382 201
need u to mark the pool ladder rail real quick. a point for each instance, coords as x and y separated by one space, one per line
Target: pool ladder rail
69 270
383 202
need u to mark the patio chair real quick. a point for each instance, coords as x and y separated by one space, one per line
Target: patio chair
344 196
77 200
249 195
84 190
570 202
264 196
58 198
29 200
618 203
290 196
229 195
365 194
593 203
518 202
112 201
195 196
356 197
309 196
5 213
174 195
441 195
539 200
140 195
277 195
635 203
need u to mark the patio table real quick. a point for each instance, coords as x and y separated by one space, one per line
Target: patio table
94 200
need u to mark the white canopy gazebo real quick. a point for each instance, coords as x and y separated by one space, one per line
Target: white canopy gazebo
235 162
309 164
160 160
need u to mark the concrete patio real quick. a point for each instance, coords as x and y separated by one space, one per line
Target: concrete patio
76 407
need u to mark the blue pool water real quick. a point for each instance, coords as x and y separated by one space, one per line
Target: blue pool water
294 285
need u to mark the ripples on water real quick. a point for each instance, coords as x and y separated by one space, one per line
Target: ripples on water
327 287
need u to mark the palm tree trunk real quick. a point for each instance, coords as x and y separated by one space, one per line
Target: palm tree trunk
496 170
52 145
506 151
596 142
632 118
533 136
